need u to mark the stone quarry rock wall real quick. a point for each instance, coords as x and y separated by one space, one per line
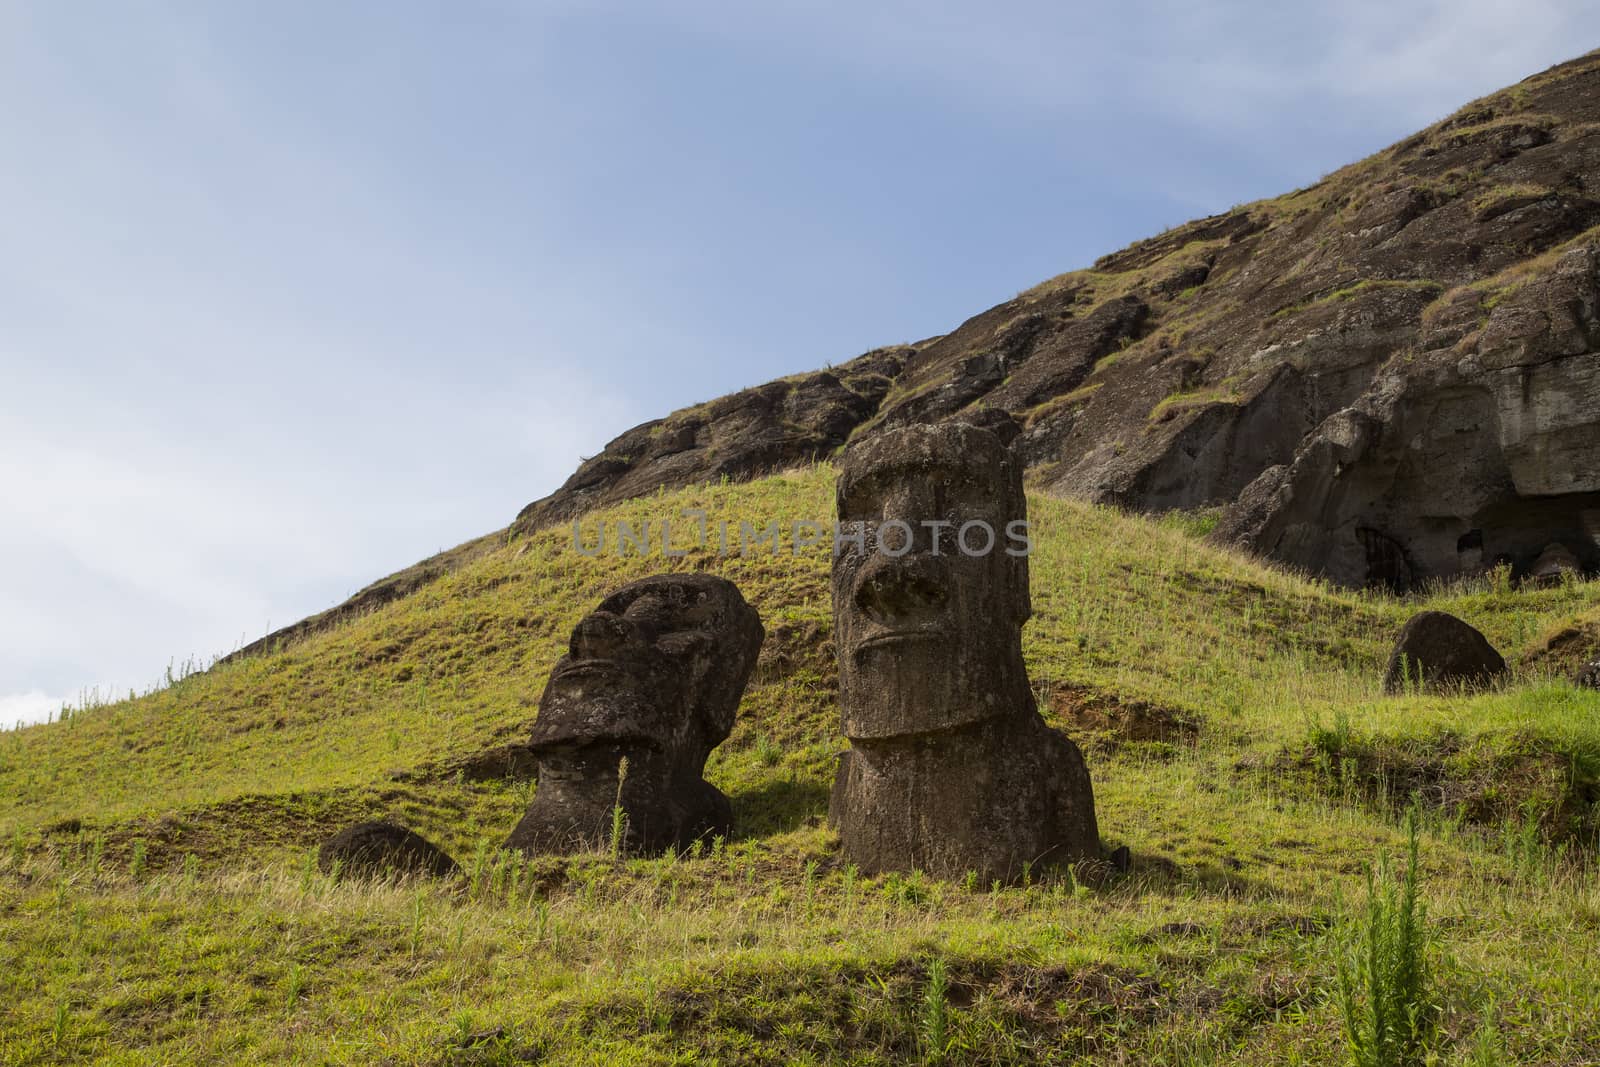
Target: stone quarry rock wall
1373 374
1387 376
1478 444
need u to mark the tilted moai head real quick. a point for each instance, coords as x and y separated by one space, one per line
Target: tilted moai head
930 583
653 676
952 769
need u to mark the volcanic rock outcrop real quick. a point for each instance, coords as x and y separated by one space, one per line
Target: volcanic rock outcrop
754 432
1389 376
1480 444
1385 377
950 769
1588 676
1555 563
1437 650
650 685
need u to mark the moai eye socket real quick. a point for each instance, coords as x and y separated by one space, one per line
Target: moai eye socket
861 501
647 609
686 643
665 616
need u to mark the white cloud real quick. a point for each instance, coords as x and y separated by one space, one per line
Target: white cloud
1158 89
256 351
133 550
1251 57
240 376
25 708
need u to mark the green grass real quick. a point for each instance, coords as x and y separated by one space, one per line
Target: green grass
157 903
1189 400
1362 288
1059 404
1491 199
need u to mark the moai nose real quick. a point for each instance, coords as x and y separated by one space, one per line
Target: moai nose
601 635
893 591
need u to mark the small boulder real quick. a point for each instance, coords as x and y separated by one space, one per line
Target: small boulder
1439 650
383 849
1588 676
1555 562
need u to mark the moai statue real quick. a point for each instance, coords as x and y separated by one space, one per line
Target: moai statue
950 769
650 685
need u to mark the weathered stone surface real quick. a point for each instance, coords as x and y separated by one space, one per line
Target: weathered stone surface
1406 352
951 768
1553 564
653 677
1480 447
1588 675
1438 651
994 798
383 849
750 433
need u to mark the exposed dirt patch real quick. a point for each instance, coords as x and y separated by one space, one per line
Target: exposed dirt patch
512 761
1568 650
1173 930
793 647
874 1007
1106 722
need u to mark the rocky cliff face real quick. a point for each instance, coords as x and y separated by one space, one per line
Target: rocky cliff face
1391 375
1479 444
1388 376
743 435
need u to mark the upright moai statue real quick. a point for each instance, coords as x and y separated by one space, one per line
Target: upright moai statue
653 677
951 769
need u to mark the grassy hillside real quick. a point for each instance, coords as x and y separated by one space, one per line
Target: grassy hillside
158 904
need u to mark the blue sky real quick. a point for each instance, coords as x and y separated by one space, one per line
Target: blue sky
295 294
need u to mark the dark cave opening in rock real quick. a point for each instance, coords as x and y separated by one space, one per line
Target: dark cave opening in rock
1519 529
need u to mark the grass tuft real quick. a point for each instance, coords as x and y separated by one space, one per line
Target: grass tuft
1385 993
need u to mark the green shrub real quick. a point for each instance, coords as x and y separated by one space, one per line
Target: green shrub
1384 993
935 1016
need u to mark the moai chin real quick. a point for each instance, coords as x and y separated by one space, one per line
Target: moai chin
653 676
950 769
